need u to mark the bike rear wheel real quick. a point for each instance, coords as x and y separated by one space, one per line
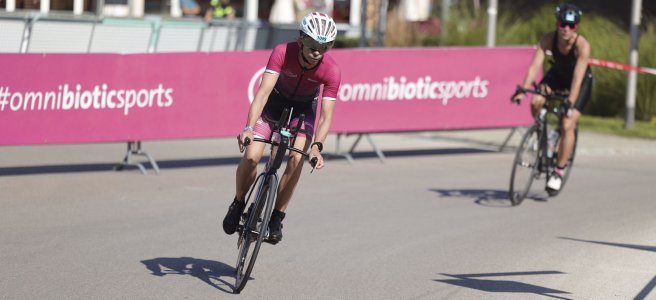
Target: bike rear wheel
570 163
525 166
254 230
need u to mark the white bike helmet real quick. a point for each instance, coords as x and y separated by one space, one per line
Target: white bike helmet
320 27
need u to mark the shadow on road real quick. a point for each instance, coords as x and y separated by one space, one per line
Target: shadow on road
490 198
421 152
103 167
630 246
205 270
208 162
503 286
651 285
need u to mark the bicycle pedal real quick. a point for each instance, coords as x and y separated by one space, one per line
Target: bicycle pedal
551 192
270 241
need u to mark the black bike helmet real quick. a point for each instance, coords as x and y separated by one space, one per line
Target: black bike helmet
568 13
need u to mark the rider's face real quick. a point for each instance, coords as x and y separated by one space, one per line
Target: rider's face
313 51
566 29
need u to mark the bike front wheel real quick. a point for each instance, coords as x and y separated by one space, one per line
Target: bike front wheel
254 230
525 166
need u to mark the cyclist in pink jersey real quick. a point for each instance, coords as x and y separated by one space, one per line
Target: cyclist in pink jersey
292 78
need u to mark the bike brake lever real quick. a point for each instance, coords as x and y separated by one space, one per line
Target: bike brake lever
242 146
313 163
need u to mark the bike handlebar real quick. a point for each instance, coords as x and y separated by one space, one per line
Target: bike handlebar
550 96
247 141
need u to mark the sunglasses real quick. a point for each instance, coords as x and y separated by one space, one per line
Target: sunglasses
314 46
570 25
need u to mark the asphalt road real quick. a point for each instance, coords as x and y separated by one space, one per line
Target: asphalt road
431 222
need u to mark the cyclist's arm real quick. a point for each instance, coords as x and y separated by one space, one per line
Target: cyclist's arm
268 82
538 60
327 107
579 71
328 99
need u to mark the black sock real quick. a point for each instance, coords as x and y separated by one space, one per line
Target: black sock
278 214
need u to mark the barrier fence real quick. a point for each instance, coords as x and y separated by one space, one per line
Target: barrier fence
39 33
80 98
84 98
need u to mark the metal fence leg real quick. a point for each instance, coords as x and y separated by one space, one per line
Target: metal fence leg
134 148
357 141
507 139
338 151
380 154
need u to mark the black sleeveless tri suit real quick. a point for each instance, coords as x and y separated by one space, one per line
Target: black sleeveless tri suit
559 76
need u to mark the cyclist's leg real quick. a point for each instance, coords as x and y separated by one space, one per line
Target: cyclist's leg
246 173
294 166
536 105
292 172
546 85
247 169
288 183
567 138
291 175
569 123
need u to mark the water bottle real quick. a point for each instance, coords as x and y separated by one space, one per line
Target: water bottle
552 137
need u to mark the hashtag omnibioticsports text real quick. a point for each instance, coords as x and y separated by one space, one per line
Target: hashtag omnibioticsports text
100 97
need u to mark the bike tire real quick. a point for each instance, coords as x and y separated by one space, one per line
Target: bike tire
525 166
254 231
570 163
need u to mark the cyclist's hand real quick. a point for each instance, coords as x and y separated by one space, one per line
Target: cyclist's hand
314 153
517 97
245 138
570 112
570 108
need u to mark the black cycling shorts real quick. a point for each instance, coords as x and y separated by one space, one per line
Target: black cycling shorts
556 83
273 110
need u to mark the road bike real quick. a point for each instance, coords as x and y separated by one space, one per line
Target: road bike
538 151
253 226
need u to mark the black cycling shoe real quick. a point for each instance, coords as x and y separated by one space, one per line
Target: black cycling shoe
275 226
231 220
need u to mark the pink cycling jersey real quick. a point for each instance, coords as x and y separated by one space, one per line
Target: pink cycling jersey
297 88
297 84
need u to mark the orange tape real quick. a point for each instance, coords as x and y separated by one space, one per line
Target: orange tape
620 66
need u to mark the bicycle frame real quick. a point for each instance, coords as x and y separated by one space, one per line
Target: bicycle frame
255 227
547 163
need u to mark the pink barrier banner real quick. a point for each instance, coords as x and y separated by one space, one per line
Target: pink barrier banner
82 98
431 89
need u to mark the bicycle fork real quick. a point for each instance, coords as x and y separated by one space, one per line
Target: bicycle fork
257 205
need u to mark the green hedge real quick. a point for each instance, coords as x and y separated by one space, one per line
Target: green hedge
344 42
